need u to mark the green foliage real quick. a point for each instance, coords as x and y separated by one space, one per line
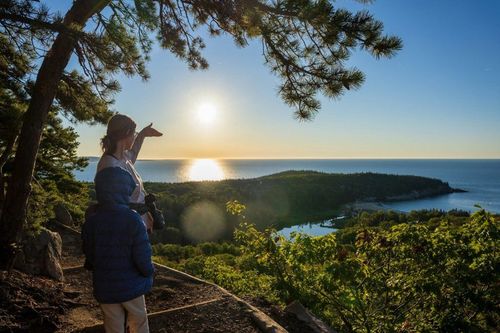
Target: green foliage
53 181
386 219
168 235
177 253
243 282
235 208
78 102
27 31
219 263
15 65
40 205
409 278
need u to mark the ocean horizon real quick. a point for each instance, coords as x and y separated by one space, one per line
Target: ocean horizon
479 177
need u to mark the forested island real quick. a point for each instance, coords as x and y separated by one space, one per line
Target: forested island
284 199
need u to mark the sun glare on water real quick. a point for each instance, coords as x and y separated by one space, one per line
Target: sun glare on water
205 169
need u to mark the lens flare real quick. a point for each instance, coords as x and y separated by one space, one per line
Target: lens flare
203 222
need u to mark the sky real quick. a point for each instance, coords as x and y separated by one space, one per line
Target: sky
437 98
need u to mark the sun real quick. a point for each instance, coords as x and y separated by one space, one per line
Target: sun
207 113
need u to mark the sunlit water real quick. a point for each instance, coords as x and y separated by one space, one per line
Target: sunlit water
204 169
318 228
480 178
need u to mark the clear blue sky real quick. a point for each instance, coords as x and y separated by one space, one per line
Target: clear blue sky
438 98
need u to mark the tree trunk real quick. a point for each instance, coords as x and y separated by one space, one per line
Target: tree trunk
49 75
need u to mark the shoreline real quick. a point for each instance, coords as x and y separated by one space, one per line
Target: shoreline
368 206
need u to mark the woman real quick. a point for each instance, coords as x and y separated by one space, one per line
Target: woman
121 146
117 251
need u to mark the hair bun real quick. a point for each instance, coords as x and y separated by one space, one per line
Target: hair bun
105 142
119 126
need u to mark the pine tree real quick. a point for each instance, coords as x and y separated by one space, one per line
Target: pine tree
304 42
53 177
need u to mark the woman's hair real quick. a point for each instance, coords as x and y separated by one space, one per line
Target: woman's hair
119 127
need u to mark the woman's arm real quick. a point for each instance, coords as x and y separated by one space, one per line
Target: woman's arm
145 132
136 147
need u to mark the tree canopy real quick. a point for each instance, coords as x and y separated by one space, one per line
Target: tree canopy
53 176
305 43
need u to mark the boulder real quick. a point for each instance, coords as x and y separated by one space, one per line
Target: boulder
40 254
307 317
62 215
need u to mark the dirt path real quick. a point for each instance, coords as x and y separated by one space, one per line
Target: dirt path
174 305
177 303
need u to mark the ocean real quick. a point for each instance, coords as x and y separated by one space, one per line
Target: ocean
480 178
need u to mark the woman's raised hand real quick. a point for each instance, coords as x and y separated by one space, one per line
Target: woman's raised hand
150 131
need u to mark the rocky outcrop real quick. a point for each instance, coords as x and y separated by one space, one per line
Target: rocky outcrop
40 254
307 317
62 215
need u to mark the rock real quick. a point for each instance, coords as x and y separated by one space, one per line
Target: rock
62 215
307 317
41 255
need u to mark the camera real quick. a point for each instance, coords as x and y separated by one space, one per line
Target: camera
158 220
150 206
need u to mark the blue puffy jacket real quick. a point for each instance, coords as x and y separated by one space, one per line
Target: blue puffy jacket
115 241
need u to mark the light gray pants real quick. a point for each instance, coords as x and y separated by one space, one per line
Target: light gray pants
137 319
